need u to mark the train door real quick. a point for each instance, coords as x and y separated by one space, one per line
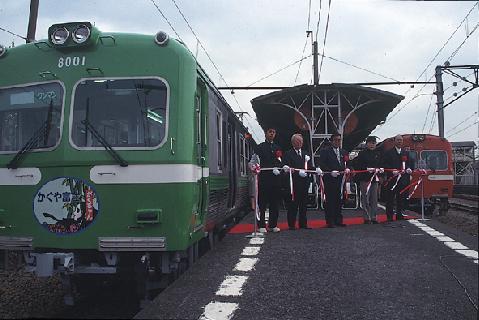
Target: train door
231 158
201 152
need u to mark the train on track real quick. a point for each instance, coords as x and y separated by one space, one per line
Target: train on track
434 154
118 155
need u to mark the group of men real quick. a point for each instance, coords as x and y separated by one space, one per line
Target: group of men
292 170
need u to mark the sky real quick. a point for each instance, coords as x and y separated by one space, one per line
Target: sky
259 43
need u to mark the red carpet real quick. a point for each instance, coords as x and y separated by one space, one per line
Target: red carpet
312 223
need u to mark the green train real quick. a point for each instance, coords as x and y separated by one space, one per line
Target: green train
117 155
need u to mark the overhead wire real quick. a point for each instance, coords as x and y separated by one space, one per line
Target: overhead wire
465 120
319 21
429 64
464 129
167 21
443 46
279 70
360 68
427 114
324 40
305 43
433 121
209 57
459 47
13 33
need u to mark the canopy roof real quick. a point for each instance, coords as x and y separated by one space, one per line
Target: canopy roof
319 111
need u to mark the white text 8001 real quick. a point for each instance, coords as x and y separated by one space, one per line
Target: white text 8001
65 62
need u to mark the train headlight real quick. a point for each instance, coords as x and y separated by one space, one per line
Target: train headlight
60 35
3 50
73 34
81 34
418 137
161 38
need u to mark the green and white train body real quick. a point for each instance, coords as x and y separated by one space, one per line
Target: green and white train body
113 146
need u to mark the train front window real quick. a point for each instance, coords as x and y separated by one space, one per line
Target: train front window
435 159
127 113
30 116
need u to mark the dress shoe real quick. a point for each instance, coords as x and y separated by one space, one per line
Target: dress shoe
340 224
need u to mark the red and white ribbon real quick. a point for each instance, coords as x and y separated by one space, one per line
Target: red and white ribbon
291 183
415 187
374 176
256 209
397 181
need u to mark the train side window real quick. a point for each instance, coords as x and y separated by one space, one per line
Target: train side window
219 138
435 159
127 113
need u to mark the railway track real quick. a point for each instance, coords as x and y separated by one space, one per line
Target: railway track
465 203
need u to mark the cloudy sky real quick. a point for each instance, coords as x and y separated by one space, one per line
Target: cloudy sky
252 40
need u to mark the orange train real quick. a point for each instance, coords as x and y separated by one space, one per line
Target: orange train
434 154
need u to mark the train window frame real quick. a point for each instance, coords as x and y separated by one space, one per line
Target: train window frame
219 139
99 79
243 155
446 168
61 120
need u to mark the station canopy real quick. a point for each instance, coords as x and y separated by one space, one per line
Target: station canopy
319 111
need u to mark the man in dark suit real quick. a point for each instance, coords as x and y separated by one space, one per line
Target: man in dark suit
398 160
269 154
333 159
368 159
297 158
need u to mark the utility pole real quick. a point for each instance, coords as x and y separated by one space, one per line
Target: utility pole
449 69
32 21
315 63
440 100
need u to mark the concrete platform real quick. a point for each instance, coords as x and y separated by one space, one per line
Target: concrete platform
399 270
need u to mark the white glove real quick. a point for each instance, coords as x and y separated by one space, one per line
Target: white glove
334 173
408 171
319 171
371 170
347 171
381 170
306 158
275 171
395 173
302 174
285 168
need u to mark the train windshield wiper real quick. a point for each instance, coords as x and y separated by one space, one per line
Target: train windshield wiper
43 131
104 143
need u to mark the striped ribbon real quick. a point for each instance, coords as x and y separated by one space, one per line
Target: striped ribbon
256 209
374 176
291 184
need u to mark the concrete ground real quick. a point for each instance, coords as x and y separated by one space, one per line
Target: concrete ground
399 270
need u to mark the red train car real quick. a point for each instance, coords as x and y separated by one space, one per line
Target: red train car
434 154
